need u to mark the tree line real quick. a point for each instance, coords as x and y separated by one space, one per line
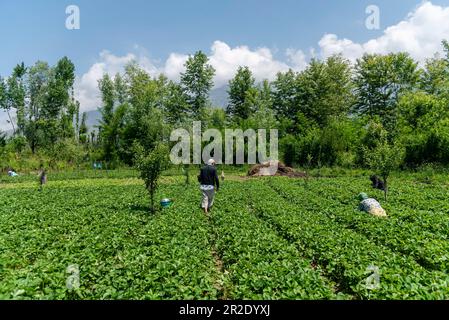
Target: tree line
380 109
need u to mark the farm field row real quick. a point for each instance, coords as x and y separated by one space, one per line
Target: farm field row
274 238
407 237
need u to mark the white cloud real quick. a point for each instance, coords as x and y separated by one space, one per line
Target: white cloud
226 61
86 86
330 44
297 59
174 66
420 34
223 58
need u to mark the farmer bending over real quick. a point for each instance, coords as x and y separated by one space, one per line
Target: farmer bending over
208 179
372 206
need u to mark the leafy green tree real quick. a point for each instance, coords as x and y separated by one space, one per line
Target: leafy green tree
16 94
175 104
113 132
239 87
325 90
4 98
380 81
383 159
120 88
144 120
435 78
108 129
260 102
37 83
284 95
83 134
64 72
151 165
57 111
107 89
12 97
423 123
197 81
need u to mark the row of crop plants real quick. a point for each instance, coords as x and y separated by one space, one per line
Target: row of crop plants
424 205
346 256
259 263
107 234
429 249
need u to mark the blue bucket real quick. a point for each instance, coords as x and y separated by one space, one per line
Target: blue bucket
165 203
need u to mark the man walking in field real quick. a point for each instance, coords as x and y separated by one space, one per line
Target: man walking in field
208 179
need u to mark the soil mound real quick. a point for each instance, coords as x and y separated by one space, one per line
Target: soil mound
274 168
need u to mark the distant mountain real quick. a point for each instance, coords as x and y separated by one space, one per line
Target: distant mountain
219 97
93 119
4 125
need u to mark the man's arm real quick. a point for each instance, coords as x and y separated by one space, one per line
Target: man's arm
217 181
201 176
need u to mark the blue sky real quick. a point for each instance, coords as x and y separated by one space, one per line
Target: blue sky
32 30
268 36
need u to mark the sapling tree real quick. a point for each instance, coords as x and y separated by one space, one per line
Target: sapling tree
383 159
151 165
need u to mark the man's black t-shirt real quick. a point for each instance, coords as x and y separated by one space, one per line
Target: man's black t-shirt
208 176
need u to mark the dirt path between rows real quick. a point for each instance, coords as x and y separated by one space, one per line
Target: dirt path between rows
219 266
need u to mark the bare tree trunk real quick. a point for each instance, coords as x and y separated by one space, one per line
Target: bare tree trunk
385 188
187 174
12 123
151 201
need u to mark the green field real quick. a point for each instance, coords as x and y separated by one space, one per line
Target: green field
272 238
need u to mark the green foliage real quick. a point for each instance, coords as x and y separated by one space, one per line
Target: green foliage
284 95
424 124
380 81
82 133
409 247
121 255
197 81
384 159
325 90
2 139
67 150
175 104
106 86
331 110
239 92
151 165
335 144
266 239
18 144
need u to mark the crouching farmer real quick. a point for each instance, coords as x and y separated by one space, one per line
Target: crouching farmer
370 205
208 179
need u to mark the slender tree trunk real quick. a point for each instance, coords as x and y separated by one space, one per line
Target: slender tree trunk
12 123
186 171
152 201
385 188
